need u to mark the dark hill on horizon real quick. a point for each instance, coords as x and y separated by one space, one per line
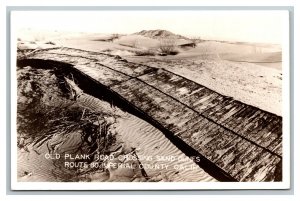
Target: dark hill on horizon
159 33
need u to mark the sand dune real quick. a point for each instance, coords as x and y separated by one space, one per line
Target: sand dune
232 48
137 41
264 55
34 167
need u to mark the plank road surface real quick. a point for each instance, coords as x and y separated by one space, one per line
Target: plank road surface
243 141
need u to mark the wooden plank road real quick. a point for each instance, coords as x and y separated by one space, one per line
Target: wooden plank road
241 140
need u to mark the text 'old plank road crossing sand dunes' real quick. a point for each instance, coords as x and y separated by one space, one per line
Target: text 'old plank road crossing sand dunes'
239 141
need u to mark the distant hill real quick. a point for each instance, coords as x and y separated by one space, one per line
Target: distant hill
158 33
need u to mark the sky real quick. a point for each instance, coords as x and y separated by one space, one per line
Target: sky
248 26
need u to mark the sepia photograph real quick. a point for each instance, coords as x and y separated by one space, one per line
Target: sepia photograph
150 97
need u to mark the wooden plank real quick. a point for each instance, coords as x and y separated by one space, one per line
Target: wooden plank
233 159
229 113
233 154
199 130
263 129
215 143
193 123
215 112
157 80
171 112
247 119
244 115
270 132
101 74
180 83
245 149
263 168
188 92
243 161
173 85
210 104
181 117
252 131
126 67
219 106
98 72
224 113
113 62
61 58
209 139
231 122
276 146
204 102
199 135
77 52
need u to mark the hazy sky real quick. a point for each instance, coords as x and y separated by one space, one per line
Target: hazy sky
252 26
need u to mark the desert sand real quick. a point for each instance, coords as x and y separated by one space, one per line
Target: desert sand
250 73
